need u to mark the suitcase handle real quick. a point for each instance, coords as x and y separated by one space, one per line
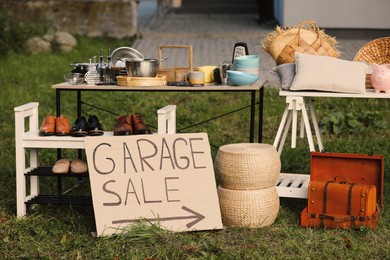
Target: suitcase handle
345 179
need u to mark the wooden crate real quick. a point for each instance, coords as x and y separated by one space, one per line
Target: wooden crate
175 74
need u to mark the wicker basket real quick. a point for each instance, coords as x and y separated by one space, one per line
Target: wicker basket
253 209
247 166
376 51
306 37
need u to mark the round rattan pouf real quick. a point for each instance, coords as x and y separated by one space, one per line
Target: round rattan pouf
247 166
250 208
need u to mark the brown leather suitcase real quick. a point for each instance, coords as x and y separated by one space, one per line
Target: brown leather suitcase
363 171
340 204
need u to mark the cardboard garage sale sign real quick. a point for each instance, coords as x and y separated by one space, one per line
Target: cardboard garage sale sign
167 179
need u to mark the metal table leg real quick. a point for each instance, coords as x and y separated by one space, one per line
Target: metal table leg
261 115
252 118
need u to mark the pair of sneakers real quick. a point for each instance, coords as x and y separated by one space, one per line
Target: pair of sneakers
131 125
55 126
64 166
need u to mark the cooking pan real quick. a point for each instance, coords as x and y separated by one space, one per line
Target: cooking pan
143 67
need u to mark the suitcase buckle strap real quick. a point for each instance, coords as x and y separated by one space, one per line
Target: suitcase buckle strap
337 218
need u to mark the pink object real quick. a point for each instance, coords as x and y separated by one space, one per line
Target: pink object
380 78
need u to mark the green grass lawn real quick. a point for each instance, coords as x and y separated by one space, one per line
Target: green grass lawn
64 232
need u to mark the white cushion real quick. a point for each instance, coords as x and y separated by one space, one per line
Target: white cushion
323 73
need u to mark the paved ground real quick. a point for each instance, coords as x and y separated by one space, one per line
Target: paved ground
213 37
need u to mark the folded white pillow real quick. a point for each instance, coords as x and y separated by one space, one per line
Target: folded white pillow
324 73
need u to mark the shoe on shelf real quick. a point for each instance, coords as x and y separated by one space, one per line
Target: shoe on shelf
139 126
62 126
80 127
123 126
48 126
94 126
78 166
61 166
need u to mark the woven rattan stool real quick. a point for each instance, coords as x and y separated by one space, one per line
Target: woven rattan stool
247 166
248 208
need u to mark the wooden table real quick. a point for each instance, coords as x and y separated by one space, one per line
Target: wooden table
253 89
300 101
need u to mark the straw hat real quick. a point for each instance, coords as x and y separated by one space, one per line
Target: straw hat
306 37
253 209
281 37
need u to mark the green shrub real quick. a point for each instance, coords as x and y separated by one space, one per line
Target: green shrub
14 33
337 121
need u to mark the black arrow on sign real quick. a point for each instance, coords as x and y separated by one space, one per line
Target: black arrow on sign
195 215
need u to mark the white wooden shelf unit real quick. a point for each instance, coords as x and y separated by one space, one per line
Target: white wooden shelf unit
27 138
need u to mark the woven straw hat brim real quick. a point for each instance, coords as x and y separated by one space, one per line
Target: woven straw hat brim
376 51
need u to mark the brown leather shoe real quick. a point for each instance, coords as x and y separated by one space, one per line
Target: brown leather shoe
47 126
123 126
139 126
62 126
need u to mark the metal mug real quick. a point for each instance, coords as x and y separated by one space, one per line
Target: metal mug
223 68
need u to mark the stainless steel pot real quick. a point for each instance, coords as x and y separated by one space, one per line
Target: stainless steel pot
142 67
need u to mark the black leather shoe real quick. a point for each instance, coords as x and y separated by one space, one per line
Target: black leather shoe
94 126
79 127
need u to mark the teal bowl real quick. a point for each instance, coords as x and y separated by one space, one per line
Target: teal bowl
247 61
238 78
248 57
246 66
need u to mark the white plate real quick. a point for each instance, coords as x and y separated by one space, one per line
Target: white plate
124 53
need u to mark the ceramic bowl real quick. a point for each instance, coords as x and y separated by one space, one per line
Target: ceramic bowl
249 70
247 66
239 78
247 61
